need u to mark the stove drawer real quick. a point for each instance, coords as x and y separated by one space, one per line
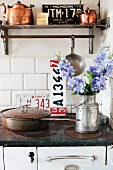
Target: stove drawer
105 167
58 157
20 158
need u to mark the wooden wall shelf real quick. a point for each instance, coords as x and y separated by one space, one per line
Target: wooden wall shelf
104 24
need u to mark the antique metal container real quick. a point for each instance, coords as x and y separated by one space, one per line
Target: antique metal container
18 14
87 111
88 17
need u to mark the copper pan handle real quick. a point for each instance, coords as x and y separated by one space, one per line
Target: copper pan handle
63 119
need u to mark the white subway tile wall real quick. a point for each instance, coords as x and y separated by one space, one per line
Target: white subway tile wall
25 75
23 65
35 81
107 96
42 65
5 97
106 104
107 99
29 76
5 66
10 81
71 99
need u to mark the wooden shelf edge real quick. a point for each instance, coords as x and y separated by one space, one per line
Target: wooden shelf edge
3 27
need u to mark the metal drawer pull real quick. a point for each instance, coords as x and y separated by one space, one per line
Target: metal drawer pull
92 158
71 167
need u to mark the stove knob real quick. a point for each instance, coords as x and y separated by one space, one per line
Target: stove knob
71 167
31 155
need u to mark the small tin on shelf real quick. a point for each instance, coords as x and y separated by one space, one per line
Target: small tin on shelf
42 18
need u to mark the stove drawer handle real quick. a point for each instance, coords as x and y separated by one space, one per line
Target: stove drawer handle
92 158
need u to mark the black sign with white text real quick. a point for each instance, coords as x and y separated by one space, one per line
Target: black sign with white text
62 14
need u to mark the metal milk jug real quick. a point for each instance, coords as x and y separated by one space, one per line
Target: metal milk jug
87 111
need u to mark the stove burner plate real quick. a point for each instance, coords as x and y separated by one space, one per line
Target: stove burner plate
51 130
74 134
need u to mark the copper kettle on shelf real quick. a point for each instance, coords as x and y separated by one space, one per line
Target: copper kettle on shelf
18 14
88 17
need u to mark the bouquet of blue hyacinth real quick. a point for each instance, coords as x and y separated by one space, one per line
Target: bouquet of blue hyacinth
94 79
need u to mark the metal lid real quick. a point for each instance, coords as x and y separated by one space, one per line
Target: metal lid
25 112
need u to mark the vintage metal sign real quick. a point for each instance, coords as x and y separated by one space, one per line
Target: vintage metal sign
37 101
57 91
56 101
62 14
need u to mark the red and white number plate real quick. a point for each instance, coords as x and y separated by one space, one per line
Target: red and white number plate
38 101
57 91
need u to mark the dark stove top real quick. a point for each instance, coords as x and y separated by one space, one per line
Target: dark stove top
74 134
59 133
49 131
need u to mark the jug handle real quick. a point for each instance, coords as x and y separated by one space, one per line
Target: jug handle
76 106
4 9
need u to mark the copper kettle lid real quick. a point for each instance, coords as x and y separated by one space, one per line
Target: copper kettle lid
18 5
25 112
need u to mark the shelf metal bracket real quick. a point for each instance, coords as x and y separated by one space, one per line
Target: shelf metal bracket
106 23
4 34
91 41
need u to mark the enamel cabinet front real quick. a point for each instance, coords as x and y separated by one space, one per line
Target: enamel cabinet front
20 158
64 158
1 158
110 155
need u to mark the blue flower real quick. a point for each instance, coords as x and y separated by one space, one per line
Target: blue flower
71 82
97 75
66 69
96 70
101 57
98 83
77 85
109 70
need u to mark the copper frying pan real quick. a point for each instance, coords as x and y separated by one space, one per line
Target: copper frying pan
28 119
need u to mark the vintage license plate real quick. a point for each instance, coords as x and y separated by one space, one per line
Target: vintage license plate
57 91
62 13
37 101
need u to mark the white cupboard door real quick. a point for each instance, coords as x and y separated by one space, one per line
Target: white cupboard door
110 155
20 158
1 158
58 157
